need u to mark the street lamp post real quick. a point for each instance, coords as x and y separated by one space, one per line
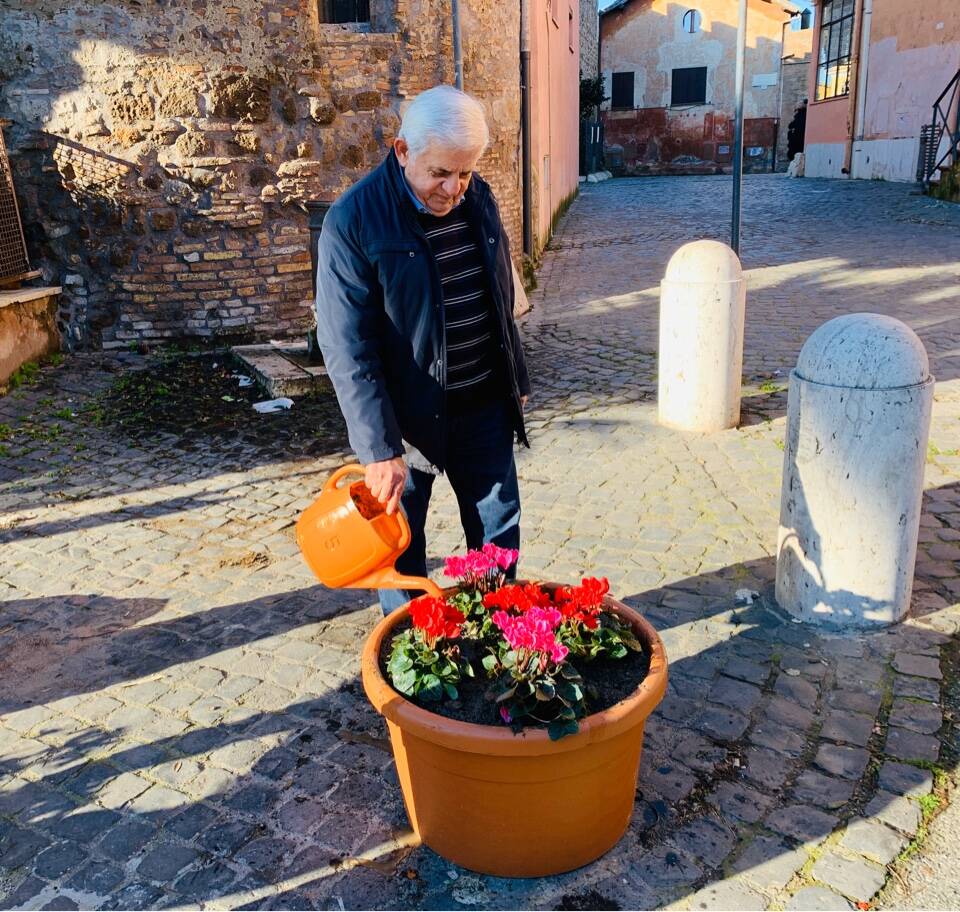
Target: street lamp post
738 129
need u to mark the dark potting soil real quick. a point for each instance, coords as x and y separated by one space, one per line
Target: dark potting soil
608 681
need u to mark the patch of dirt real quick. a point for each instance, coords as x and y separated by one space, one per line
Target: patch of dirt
590 899
251 560
197 397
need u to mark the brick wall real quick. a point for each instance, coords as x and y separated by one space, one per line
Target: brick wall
162 155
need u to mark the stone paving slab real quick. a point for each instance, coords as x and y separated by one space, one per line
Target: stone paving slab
181 720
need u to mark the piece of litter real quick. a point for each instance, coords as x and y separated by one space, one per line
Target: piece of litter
243 380
227 398
796 620
745 596
273 405
792 672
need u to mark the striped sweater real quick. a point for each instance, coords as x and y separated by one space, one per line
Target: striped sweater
475 374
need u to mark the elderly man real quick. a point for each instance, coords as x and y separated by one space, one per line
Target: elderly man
415 321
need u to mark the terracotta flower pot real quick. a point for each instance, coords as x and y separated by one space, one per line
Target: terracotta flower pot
518 805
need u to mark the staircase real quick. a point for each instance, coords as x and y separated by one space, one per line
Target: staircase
940 140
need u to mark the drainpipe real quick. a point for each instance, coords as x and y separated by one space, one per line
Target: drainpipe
525 126
457 44
854 87
864 69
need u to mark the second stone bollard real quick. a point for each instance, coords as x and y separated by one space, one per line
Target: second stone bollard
858 420
702 300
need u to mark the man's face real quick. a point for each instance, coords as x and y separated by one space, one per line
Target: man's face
438 175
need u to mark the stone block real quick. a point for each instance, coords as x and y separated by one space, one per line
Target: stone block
896 811
816 899
858 880
904 779
769 863
910 745
846 762
802 822
873 840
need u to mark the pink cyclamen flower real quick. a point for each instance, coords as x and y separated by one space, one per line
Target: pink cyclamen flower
505 715
504 558
533 631
455 566
478 563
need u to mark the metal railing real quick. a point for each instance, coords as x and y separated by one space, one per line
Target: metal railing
14 265
945 109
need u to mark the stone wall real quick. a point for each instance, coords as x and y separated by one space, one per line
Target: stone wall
162 155
589 39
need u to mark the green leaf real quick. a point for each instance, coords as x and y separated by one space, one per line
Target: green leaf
569 672
489 662
399 663
509 659
545 692
467 669
429 657
507 694
451 691
430 688
405 681
557 729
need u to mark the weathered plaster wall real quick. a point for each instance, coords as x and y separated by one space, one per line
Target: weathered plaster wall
162 154
555 105
28 327
909 62
647 38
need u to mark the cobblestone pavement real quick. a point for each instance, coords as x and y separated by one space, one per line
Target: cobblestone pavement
181 722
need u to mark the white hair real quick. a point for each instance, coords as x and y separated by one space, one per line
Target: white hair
447 117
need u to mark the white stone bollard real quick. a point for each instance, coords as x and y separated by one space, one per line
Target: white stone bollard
702 300
858 419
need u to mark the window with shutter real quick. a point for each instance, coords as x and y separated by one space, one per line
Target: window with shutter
344 10
688 85
621 94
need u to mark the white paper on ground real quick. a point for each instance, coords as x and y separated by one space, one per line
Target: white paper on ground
273 405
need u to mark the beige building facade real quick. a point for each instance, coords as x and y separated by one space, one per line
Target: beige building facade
670 71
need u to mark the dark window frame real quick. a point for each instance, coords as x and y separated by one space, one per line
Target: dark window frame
836 30
696 20
344 12
690 88
618 89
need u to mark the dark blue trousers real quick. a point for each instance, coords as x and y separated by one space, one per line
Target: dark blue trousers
483 475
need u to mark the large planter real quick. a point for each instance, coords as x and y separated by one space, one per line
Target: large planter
518 805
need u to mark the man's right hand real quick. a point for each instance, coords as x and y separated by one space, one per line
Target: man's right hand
386 480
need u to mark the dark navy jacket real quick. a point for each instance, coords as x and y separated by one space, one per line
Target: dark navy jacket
380 314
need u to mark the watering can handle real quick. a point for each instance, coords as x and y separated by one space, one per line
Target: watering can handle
343 472
386 577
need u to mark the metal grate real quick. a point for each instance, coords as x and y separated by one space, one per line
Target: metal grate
13 249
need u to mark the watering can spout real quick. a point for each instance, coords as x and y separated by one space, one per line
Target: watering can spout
350 542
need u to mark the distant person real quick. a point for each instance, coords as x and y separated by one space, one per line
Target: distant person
796 131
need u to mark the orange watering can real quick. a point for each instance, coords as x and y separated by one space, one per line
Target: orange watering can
349 542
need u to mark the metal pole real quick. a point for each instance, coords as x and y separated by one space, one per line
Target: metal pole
525 127
457 45
738 128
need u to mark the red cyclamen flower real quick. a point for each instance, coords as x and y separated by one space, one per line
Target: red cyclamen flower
435 617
